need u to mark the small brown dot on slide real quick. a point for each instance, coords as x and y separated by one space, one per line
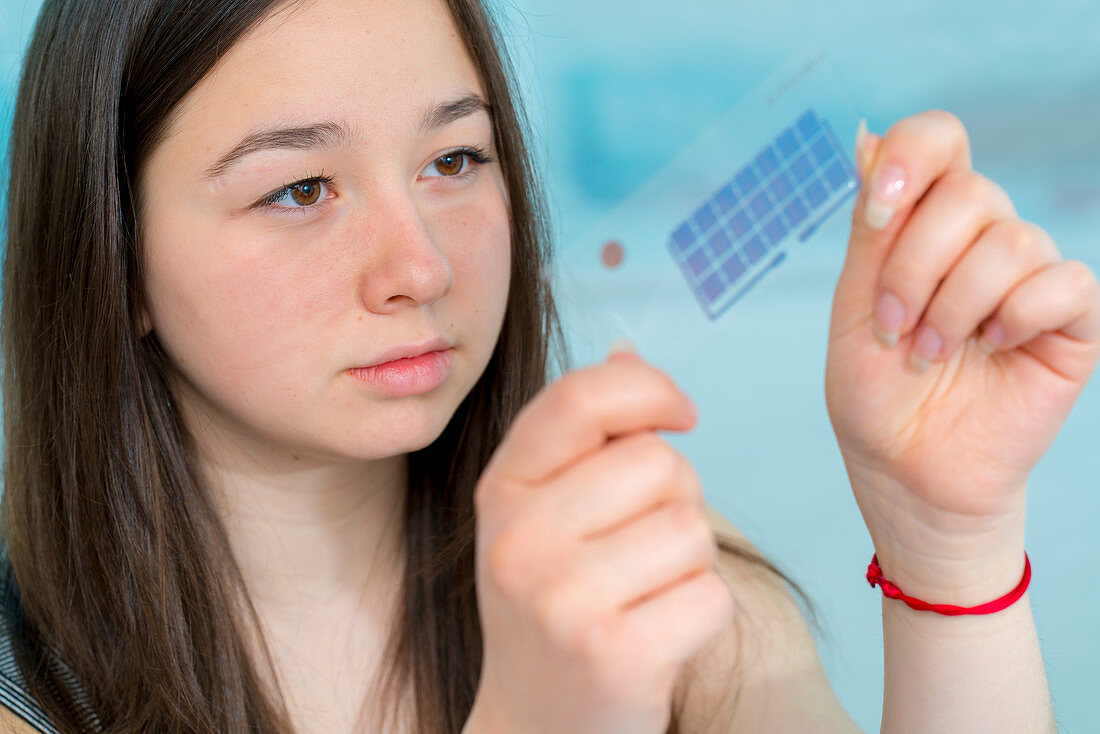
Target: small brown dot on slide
612 254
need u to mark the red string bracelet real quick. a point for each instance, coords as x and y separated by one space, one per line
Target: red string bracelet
874 576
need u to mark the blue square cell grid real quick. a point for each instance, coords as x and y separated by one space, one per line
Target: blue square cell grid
789 188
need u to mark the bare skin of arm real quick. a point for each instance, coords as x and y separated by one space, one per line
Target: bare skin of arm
763 673
11 723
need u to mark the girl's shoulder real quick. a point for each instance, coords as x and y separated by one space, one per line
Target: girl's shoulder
19 712
13 723
762 673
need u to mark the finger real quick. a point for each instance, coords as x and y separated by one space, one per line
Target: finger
1063 298
678 621
1005 253
948 220
647 555
914 153
577 415
630 476
867 145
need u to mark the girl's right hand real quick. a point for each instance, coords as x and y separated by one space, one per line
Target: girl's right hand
595 559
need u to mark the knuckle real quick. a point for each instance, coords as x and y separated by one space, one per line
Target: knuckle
1083 277
689 523
670 385
1017 239
666 467
662 382
706 541
679 520
509 561
569 394
662 462
968 186
948 120
594 640
692 485
564 619
551 611
919 123
522 415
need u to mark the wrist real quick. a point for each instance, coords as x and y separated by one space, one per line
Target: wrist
959 560
965 582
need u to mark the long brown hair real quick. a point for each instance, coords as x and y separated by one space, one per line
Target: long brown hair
118 569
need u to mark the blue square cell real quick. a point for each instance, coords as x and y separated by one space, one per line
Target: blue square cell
746 180
683 237
739 223
767 161
836 175
713 287
754 248
760 204
780 186
787 143
802 168
704 218
725 198
733 268
719 242
822 150
816 193
698 262
795 211
808 125
774 230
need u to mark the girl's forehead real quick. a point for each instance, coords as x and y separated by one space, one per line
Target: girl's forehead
361 59
374 63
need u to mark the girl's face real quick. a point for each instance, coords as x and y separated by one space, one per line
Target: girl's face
264 296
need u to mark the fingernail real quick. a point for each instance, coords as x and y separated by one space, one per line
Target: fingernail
886 189
992 337
889 316
927 344
619 346
693 410
861 135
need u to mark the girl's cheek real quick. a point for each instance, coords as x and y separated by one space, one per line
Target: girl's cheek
233 312
481 256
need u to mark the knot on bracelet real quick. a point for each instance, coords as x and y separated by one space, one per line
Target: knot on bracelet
874 576
889 590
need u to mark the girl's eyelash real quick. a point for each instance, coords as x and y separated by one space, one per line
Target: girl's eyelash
475 153
270 199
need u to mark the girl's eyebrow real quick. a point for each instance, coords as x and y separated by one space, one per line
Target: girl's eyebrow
335 134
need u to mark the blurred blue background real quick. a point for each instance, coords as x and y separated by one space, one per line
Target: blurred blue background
614 90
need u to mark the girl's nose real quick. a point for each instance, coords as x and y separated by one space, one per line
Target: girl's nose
401 262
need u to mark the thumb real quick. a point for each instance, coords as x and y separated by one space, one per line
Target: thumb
868 247
920 149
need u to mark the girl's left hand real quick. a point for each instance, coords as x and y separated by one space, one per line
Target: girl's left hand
939 431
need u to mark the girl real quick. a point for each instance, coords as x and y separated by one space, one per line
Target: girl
280 455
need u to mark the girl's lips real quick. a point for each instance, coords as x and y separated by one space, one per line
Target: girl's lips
412 376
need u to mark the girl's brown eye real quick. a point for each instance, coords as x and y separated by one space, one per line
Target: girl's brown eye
450 164
305 193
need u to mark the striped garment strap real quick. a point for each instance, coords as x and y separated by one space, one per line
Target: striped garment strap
14 693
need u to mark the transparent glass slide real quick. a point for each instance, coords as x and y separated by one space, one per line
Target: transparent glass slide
667 267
